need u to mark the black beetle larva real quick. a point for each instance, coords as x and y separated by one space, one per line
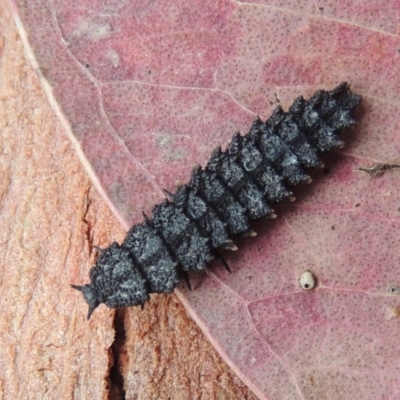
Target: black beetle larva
237 186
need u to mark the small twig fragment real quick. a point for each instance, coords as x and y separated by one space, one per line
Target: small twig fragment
378 169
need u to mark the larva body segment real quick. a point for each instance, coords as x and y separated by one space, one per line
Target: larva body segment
237 186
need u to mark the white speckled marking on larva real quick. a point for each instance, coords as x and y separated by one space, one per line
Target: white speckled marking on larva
306 280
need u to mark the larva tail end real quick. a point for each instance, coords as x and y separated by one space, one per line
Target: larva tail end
90 296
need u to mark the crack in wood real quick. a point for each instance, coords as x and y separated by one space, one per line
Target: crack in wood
115 378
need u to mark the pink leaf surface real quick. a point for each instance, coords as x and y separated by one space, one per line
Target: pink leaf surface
147 89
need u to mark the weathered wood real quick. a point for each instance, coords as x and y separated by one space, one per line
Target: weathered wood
50 216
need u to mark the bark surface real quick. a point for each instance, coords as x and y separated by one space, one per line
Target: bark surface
50 216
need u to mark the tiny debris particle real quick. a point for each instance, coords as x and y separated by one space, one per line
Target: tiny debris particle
395 290
393 312
307 280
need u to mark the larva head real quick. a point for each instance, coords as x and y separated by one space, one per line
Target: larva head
115 281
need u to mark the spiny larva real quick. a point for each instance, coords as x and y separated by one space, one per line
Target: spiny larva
237 186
